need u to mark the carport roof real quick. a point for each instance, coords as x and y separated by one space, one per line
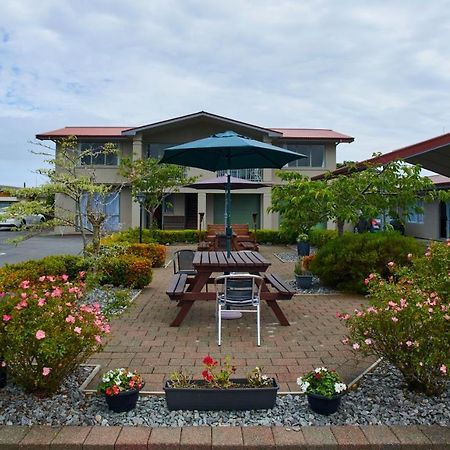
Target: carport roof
432 154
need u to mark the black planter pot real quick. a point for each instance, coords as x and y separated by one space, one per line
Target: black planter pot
303 248
324 405
123 401
203 398
303 281
2 377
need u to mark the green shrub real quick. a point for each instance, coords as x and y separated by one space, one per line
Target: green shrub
346 261
319 237
12 274
408 321
155 236
126 270
45 333
273 237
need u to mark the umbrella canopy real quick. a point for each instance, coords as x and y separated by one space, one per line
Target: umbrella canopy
228 150
221 183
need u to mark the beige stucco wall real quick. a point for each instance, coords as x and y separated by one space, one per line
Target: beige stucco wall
430 228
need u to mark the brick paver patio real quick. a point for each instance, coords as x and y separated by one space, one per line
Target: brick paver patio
142 339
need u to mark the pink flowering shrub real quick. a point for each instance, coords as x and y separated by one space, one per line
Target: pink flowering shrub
408 321
46 331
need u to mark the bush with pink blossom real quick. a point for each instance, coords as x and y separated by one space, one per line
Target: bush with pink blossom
408 320
46 331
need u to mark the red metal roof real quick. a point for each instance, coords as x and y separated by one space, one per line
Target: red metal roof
83 132
432 154
313 134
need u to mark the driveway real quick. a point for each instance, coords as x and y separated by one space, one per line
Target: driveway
36 247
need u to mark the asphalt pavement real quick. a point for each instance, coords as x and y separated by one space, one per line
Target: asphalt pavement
37 246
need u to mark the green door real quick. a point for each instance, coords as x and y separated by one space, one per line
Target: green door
242 208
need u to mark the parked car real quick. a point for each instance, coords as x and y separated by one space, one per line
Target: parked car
364 225
16 222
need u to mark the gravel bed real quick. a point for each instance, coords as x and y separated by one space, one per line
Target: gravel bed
287 256
316 288
382 398
106 298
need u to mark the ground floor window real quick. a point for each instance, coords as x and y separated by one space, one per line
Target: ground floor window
416 216
109 204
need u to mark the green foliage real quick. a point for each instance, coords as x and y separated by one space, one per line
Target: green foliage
120 380
256 378
346 261
274 237
319 237
12 274
181 379
45 332
126 270
408 320
156 181
367 193
321 381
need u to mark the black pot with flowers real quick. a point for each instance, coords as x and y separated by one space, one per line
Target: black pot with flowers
218 391
121 389
324 389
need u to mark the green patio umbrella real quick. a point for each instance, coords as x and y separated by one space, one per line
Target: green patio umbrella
226 151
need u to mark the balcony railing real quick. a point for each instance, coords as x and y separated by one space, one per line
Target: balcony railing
246 174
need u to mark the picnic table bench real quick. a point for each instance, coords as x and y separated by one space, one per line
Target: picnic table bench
187 290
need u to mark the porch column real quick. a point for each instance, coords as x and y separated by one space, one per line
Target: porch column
201 207
137 154
267 221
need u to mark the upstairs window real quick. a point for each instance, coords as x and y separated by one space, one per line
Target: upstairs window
109 204
315 155
96 155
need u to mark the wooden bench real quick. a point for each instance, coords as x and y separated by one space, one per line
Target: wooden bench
285 291
243 238
177 286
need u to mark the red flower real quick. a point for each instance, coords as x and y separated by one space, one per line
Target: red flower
317 375
108 391
207 376
209 361
115 389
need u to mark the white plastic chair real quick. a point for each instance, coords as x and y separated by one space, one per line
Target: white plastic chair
241 293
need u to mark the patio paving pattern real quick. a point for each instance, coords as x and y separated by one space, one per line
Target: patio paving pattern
142 339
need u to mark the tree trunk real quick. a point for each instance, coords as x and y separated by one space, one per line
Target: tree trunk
340 227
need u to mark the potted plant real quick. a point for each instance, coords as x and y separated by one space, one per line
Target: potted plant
324 390
303 247
303 276
2 373
218 391
121 389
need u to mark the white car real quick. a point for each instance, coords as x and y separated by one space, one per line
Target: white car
16 222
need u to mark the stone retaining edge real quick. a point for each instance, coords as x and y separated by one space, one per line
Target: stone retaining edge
432 437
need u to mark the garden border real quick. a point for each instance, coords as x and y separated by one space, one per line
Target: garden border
430 437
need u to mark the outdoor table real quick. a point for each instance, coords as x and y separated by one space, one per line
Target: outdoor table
187 290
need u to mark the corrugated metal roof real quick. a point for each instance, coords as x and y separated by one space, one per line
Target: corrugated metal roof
313 133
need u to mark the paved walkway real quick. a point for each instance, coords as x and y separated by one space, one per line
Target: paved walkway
143 340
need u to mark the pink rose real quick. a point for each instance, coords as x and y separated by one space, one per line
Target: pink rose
42 278
391 264
6 317
46 371
77 330
443 369
41 302
394 319
355 346
64 277
368 341
70 319
40 334
98 339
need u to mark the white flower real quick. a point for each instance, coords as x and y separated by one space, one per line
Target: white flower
303 385
264 377
339 387
320 369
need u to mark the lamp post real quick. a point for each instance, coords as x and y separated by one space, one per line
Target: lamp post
201 215
140 196
254 216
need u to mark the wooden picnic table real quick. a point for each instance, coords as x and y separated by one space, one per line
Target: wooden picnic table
187 290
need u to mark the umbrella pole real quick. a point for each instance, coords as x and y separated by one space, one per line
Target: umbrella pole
228 230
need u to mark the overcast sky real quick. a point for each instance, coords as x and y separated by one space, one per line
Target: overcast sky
378 70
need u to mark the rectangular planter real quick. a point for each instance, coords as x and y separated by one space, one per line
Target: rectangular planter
211 399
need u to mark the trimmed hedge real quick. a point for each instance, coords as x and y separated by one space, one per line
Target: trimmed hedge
126 270
319 237
345 262
273 237
12 274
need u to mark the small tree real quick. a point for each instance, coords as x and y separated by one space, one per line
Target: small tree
392 189
300 202
156 181
67 177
